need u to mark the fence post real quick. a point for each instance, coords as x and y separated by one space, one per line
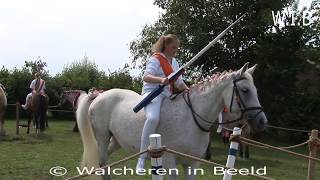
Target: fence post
313 147
155 143
17 117
232 154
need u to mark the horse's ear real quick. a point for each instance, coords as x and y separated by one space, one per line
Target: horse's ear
251 70
244 68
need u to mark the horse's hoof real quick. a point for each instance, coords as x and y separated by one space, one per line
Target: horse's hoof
208 157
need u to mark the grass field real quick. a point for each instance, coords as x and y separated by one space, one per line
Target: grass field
27 157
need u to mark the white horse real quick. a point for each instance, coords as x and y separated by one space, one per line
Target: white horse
184 122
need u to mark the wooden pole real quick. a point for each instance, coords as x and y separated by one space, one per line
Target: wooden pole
313 147
17 117
155 143
232 154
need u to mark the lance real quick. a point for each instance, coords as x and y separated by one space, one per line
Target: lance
177 73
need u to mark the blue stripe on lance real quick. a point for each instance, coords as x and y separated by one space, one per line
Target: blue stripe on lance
174 75
148 98
156 92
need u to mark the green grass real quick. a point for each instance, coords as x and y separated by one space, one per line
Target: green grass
27 157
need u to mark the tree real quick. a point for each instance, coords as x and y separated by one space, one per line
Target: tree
82 74
285 54
198 22
37 66
120 78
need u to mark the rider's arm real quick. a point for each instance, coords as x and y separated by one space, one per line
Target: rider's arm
33 85
152 69
179 82
154 79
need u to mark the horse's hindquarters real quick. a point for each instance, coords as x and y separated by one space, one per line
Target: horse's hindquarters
40 105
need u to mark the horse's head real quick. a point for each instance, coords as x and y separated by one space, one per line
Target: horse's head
70 96
61 95
241 98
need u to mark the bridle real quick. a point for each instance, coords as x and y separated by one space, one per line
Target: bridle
73 100
239 101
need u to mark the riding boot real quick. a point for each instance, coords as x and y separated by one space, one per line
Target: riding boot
24 107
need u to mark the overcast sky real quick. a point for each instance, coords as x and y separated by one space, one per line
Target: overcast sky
63 31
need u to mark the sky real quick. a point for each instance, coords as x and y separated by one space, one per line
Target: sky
64 31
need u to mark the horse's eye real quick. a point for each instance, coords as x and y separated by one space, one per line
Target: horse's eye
245 90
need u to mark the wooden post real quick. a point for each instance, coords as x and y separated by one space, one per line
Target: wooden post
313 147
232 154
17 117
155 143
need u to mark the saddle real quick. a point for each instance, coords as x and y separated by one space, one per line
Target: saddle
174 95
92 95
35 94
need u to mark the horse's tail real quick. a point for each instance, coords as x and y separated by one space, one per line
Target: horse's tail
90 156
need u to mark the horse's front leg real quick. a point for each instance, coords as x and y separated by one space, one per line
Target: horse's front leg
190 171
246 152
170 164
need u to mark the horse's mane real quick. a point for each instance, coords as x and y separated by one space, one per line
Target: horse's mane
211 80
74 91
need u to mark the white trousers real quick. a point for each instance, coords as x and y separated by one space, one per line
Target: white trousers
28 100
152 111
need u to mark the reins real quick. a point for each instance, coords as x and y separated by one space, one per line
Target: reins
240 103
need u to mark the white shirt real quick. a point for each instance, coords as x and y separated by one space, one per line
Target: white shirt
154 68
33 85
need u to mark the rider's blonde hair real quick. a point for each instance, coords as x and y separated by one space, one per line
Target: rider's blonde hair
164 40
37 75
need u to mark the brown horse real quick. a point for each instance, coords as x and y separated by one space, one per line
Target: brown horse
71 96
243 148
3 107
38 108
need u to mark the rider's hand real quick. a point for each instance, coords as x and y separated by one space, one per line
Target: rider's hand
164 81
